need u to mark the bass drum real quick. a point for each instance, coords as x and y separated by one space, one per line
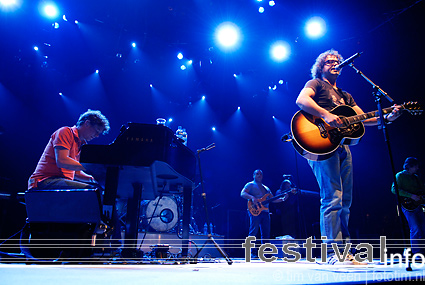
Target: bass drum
163 214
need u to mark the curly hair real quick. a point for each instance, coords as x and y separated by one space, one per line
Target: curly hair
316 69
95 118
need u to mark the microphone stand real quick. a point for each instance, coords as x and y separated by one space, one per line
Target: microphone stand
204 196
378 93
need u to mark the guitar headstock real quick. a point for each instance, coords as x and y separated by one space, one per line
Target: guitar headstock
414 108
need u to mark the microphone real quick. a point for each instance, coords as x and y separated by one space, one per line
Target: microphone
348 60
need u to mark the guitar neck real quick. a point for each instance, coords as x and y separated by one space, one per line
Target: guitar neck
276 197
365 116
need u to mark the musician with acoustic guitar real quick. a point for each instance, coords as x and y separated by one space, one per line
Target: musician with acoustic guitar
258 196
411 192
334 173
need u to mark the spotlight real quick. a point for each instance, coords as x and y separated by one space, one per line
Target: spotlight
239 108
203 97
50 10
36 48
183 67
133 44
261 10
170 120
281 82
55 25
280 51
180 55
272 3
97 71
150 85
273 117
60 93
76 22
189 62
227 35
10 5
234 75
64 18
315 27
213 128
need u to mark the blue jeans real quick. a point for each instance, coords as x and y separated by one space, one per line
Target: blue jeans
262 223
62 183
416 221
335 178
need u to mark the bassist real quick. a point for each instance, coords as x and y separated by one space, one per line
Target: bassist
411 190
253 192
334 174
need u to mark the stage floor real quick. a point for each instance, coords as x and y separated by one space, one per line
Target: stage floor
216 271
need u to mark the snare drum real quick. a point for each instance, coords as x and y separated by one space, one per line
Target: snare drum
165 216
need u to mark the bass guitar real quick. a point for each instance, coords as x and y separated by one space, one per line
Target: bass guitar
314 139
255 210
410 205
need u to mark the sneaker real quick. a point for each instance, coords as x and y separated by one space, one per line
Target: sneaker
349 260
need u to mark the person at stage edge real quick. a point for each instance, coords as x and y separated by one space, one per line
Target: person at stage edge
334 175
253 191
59 166
410 186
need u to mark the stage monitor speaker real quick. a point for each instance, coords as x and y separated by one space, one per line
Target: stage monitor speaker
63 206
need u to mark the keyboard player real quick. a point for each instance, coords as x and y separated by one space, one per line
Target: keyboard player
59 166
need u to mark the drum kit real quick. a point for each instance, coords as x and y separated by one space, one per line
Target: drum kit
162 214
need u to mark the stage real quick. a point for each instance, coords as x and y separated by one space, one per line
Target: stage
215 271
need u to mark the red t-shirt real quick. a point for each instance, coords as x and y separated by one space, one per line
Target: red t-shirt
65 137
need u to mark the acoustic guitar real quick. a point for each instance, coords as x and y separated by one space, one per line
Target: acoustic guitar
314 139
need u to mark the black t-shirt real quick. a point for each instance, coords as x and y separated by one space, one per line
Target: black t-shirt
327 97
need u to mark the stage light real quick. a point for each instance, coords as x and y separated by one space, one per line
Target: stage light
239 108
261 10
76 22
272 3
36 48
50 10
213 128
60 93
183 67
281 82
10 5
235 75
280 51
180 55
273 117
189 62
64 18
133 45
55 25
97 71
227 35
315 27
203 97
150 85
170 120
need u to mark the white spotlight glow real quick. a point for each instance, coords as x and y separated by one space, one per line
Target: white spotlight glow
280 51
180 55
261 10
227 35
213 128
133 44
97 71
36 48
183 67
315 27
10 5
203 97
272 3
50 10
170 120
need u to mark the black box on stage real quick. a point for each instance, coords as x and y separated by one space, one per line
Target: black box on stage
63 206
60 223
